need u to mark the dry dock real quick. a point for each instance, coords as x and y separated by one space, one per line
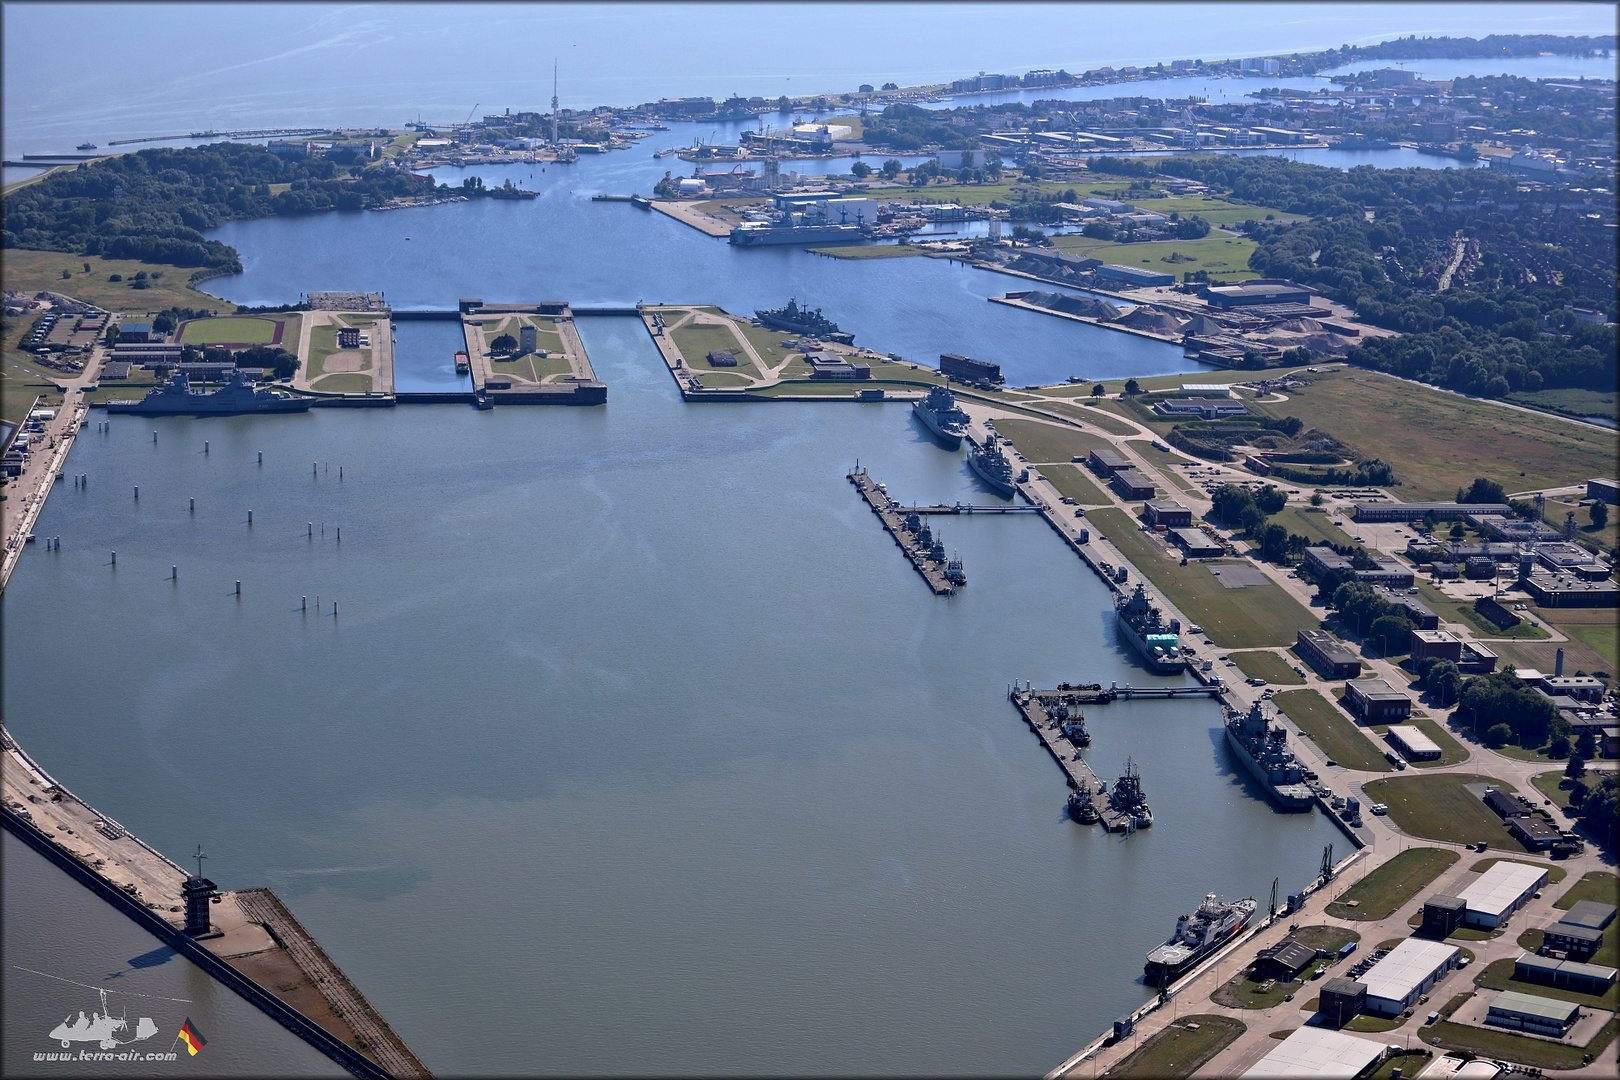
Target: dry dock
888 512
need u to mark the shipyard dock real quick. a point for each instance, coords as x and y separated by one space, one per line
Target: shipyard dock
890 513
1032 705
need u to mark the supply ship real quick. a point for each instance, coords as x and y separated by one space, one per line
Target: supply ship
1144 627
1197 935
939 413
764 233
1262 746
990 462
177 398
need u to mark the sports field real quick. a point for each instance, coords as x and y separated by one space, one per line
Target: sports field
232 330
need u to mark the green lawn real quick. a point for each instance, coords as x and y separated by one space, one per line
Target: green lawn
1268 666
1313 523
1576 403
1438 807
1042 442
1255 616
31 271
238 329
696 342
1446 439
1224 257
1548 783
1521 1049
1334 733
870 251
1180 1049
342 383
1600 885
1075 482
1244 992
1393 885
1410 1063
1166 462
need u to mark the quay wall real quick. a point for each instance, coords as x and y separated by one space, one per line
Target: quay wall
420 316
294 1021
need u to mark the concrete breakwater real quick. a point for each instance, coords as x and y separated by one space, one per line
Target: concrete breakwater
255 946
888 512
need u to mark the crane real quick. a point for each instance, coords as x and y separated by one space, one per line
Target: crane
470 112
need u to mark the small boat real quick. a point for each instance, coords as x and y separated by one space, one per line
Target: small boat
87 146
462 364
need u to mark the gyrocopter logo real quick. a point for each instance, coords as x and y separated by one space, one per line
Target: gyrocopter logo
103 1034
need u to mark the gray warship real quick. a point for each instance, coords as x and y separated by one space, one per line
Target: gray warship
939 413
808 321
1144 627
990 462
1262 746
177 398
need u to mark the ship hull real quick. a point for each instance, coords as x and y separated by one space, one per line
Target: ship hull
1157 663
1005 487
1154 971
182 408
950 439
812 234
1284 800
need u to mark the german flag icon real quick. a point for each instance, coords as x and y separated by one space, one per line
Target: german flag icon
192 1037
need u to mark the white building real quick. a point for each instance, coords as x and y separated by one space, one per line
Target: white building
1410 969
1412 743
1312 1052
1499 892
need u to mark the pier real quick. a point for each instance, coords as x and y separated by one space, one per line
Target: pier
966 508
1032 706
893 518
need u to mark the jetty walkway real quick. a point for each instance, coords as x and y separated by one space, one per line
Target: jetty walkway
893 518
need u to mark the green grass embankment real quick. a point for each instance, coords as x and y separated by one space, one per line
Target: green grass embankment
1390 887
1181 1049
1334 733
1439 807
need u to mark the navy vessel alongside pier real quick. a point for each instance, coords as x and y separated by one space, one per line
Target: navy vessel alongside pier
808 321
177 398
1262 746
989 460
940 414
761 233
1197 935
1143 626
1128 798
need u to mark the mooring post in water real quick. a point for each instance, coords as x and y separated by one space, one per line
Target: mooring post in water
314 468
311 532
154 436
137 491
194 505
238 588
115 558
174 573
334 609
261 457
250 517
205 446
340 533
303 603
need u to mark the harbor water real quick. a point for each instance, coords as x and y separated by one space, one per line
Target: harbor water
634 740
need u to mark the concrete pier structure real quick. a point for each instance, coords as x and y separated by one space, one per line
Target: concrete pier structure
549 366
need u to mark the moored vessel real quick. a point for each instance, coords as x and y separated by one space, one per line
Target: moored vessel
989 460
1197 935
177 398
941 415
1262 746
1128 798
1142 624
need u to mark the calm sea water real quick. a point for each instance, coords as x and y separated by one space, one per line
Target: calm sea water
62 944
634 742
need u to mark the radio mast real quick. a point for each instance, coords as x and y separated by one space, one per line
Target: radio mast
554 103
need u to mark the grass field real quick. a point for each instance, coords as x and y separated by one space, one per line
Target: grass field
1044 443
1097 416
342 383
1268 666
870 251
239 329
1232 618
32 271
1226 258
1180 1049
696 342
1410 1063
1243 991
1334 733
1166 462
1075 482
1392 886
1599 885
1441 447
1520 1049
1438 807
1576 403
1456 611
1314 525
